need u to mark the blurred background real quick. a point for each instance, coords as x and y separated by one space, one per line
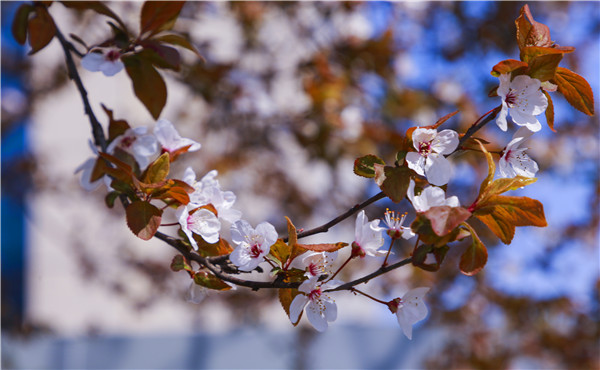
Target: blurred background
289 95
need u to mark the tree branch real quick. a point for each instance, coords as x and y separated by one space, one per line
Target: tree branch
97 131
366 278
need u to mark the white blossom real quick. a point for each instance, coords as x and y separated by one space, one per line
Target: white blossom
395 225
429 159
525 100
514 161
320 308
410 309
431 196
142 145
252 244
169 138
368 236
108 62
317 263
195 293
202 222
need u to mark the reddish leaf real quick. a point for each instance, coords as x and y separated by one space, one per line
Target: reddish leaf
158 170
549 112
530 32
210 281
19 26
96 6
180 263
286 296
363 166
159 16
396 182
420 255
475 257
444 219
122 172
219 248
161 56
576 90
502 214
324 247
115 127
530 52
543 67
507 66
41 29
143 219
148 84
179 194
280 251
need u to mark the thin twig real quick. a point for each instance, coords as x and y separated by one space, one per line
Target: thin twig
366 278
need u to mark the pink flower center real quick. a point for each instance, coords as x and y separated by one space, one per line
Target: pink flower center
508 155
255 251
313 269
425 148
128 141
315 294
511 98
113 55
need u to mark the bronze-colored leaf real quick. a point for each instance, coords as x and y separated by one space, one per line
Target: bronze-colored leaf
41 29
158 170
363 166
323 247
575 89
286 296
159 16
19 26
475 257
148 84
396 182
210 281
143 219
549 112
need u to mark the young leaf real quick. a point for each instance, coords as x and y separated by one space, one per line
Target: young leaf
210 281
180 263
220 248
179 40
286 296
143 219
475 257
161 56
363 166
502 214
420 256
549 112
19 26
396 182
110 198
532 33
41 29
530 52
115 127
444 219
280 251
159 16
324 247
575 89
295 248
158 170
148 84
543 67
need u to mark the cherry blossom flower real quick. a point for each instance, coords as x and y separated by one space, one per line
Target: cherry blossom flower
431 196
195 293
514 161
409 309
208 191
429 158
367 237
170 140
202 222
317 263
108 63
252 244
320 308
137 142
524 98
394 224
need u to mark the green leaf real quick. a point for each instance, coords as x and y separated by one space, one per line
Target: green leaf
444 219
286 296
475 257
96 6
158 170
143 219
180 263
41 29
19 26
396 182
501 214
110 198
543 67
549 112
159 16
507 66
210 281
364 166
179 40
148 84
575 89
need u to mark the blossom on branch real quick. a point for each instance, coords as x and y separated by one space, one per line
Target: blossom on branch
394 224
367 237
429 159
252 244
431 196
318 263
524 98
320 308
202 222
108 63
514 161
137 142
170 140
409 309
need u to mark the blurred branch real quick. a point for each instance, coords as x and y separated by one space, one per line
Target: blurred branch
366 278
97 132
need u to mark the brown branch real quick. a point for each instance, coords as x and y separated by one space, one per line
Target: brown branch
477 126
97 132
366 278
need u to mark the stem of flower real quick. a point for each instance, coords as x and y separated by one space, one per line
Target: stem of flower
171 224
388 252
341 267
270 262
354 290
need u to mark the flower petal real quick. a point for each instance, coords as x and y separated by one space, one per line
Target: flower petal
92 61
269 234
297 306
445 142
416 162
313 313
240 231
438 169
